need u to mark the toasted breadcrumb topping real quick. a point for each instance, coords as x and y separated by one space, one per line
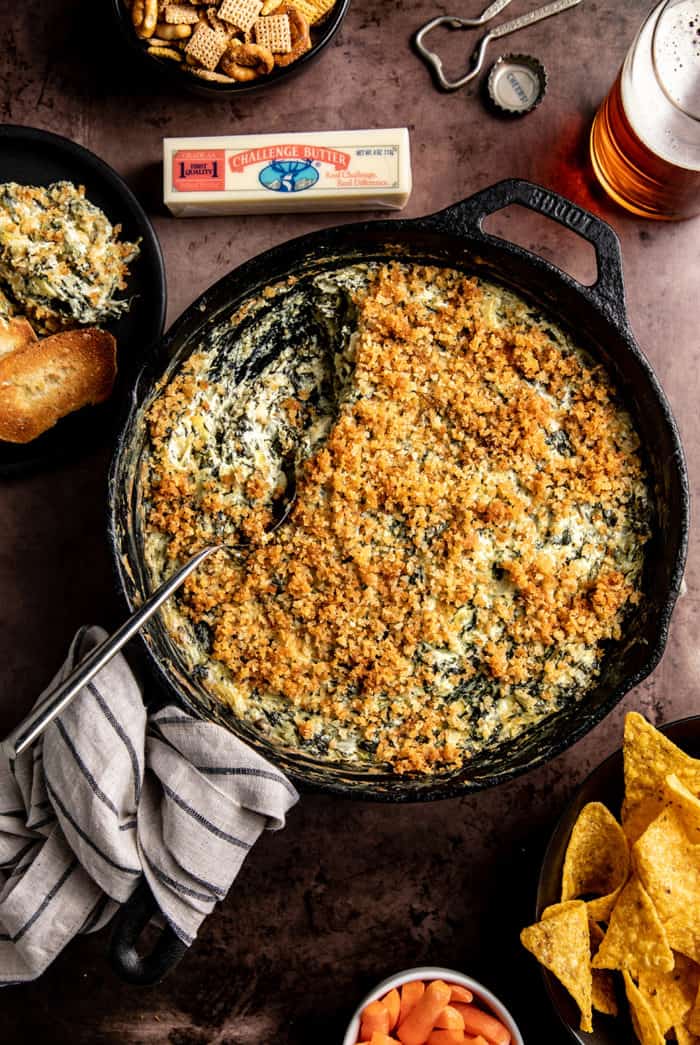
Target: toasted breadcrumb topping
468 530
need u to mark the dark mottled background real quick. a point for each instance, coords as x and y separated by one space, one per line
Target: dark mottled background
348 893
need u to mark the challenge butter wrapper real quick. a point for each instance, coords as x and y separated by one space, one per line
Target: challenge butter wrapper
271 173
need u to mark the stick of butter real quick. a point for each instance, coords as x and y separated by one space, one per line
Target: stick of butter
270 173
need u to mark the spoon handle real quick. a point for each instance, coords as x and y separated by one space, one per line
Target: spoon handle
31 728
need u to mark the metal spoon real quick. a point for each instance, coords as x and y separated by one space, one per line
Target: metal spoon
503 29
31 728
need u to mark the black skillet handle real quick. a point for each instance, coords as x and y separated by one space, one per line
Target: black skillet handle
128 924
607 291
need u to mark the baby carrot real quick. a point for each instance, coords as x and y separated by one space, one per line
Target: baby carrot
446 1037
450 1019
410 994
375 1017
382 1039
478 1040
393 1004
421 1019
459 993
476 1021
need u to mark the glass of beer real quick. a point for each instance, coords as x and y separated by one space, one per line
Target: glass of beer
645 139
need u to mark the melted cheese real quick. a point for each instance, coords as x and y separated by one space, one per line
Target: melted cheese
61 261
469 531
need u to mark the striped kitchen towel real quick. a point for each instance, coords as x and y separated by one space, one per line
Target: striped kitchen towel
111 794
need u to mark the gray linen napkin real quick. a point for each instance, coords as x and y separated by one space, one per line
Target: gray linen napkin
110 794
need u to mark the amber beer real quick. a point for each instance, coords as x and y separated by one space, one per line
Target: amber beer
645 139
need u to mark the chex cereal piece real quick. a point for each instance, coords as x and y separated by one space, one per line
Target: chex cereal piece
242 13
206 46
269 7
179 14
314 10
274 33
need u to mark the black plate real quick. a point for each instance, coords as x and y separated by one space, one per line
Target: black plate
605 784
173 72
33 157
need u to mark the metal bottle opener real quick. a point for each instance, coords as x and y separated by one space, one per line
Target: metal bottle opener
477 59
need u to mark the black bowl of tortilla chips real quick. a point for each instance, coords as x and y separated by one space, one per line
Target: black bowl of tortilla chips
618 900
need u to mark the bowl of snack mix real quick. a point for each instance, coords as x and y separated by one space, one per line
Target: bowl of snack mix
431 1006
227 47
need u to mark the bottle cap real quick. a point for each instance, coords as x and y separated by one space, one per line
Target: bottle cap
516 83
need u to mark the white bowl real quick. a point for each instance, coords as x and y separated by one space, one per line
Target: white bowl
430 972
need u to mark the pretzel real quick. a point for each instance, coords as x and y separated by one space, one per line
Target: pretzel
206 74
164 52
137 13
244 62
215 23
144 15
299 31
173 32
150 17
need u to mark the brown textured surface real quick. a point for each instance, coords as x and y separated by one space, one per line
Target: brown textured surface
349 892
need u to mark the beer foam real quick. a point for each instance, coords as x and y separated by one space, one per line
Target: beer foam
660 84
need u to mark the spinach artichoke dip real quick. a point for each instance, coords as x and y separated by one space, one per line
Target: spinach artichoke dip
468 531
61 260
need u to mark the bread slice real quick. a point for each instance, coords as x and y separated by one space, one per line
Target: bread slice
50 378
15 334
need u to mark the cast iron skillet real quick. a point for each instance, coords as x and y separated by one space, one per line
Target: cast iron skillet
597 318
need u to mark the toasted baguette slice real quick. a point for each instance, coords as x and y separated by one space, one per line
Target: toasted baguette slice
50 378
15 334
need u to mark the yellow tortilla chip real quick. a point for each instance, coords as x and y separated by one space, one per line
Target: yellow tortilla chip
693 1020
635 938
668 866
684 1037
649 758
600 909
683 932
643 1019
561 943
671 995
653 917
557 908
603 985
686 804
597 860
